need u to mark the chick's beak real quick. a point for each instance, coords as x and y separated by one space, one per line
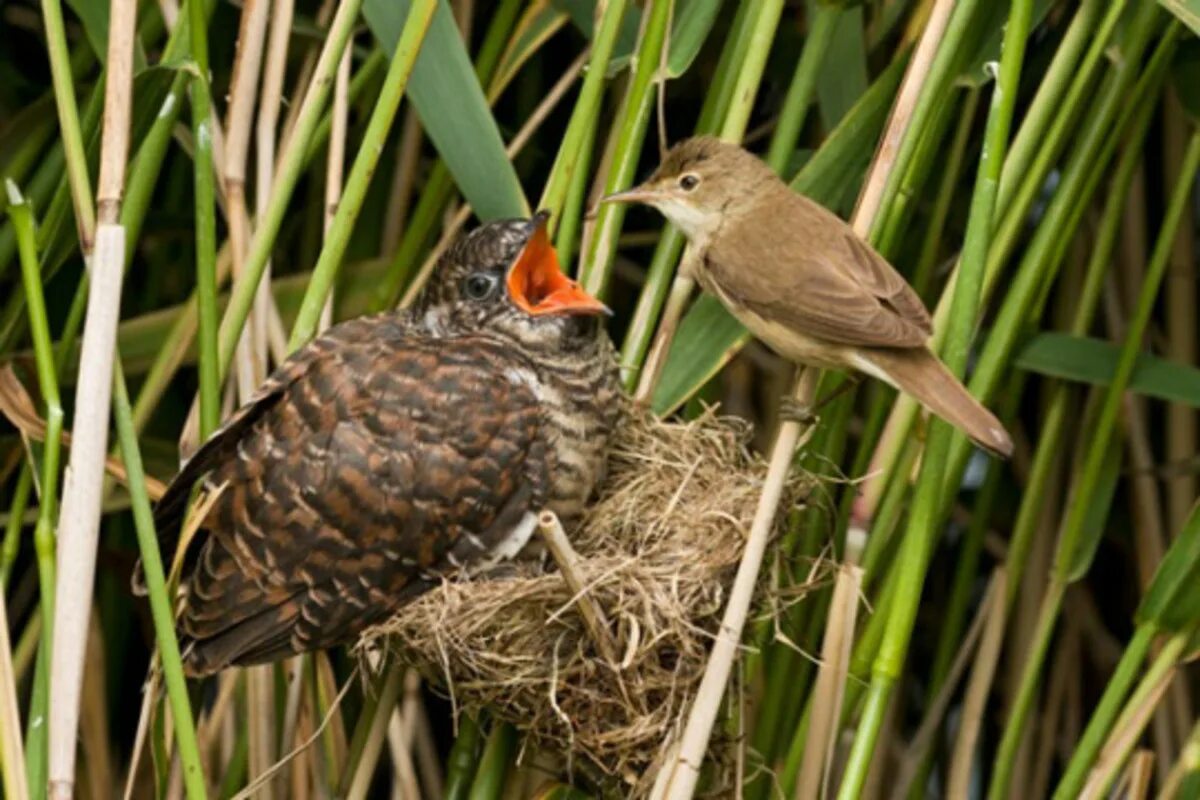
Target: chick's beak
538 286
638 194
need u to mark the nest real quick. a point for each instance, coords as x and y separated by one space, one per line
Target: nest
657 555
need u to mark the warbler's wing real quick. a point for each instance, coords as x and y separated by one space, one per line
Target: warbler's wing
805 268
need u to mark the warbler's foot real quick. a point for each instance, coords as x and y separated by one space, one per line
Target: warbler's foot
793 410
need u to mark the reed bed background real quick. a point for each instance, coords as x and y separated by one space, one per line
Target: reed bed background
260 169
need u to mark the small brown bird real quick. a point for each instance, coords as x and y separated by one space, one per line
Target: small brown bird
395 449
801 280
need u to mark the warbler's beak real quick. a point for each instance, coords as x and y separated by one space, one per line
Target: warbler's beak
537 284
638 194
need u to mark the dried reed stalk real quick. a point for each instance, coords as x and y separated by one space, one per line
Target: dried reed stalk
830 685
251 350
79 524
12 753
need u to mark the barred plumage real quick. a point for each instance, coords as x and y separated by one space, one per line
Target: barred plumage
390 451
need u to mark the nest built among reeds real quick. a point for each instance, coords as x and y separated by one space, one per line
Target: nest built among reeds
656 557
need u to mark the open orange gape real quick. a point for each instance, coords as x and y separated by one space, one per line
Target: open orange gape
537 284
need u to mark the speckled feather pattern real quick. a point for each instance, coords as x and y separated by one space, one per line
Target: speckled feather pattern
390 451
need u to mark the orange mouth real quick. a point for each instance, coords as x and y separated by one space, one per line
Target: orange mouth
537 284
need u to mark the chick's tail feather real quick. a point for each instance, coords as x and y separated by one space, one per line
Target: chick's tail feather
920 373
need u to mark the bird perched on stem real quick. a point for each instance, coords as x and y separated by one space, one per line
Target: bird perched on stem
801 280
395 449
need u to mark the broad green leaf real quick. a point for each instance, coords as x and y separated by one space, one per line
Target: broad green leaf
1187 11
839 89
708 335
1093 361
463 130
1173 600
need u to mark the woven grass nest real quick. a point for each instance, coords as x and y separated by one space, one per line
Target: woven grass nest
657 555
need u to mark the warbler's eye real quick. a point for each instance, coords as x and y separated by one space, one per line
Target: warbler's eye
480 285
689 181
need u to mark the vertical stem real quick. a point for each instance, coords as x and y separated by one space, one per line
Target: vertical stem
205 223
251 357
1181 327
335 164
43 536
1105 713
161 610
463 759
926 513
1073 553
12 757
630 130
586 107
803 85
68 121
1089 478
762 25
381 714
79 526
670 244
494 763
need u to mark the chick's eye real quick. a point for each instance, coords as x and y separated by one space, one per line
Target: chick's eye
480 285
689 181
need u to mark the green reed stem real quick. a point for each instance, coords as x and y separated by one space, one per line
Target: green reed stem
587 107
161 610
926 515
1160 669
670 244
205 223
933 92
1053 429
68 120
1048 106
567 234
44 532
633 119
1068 552
1075 551
804 84
497 755
952 170
1105 714
463 760
355 192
